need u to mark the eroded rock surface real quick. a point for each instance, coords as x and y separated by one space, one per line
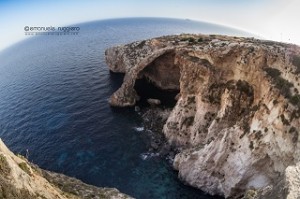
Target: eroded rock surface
19 179
236 121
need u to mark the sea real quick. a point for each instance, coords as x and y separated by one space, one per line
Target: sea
54 107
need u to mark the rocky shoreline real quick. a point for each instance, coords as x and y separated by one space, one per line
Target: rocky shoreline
235 126
154 119
20 179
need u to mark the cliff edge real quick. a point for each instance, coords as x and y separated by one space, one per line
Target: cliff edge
19 179
236 121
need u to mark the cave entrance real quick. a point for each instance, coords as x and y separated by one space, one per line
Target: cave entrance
146 90
159 80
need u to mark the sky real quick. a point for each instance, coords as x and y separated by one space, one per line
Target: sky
271 19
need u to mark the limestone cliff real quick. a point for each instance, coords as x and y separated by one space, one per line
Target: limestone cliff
236 121
19 179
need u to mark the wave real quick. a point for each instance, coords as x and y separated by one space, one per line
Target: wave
149 155
139 129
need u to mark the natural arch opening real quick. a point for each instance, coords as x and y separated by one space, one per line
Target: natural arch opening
159 80
147 90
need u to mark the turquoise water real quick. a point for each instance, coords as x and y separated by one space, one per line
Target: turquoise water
53 102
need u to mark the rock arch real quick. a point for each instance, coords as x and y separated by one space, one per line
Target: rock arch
158 67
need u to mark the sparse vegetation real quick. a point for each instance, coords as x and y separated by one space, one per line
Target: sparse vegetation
292 129
189 39
192 39
295 114
25 167
284 120
273 72
244 87
280 83
200 40
295 100
246 128
4 169
188 121
258 135
21 156
296 62
294 133
191 100
255 108
7 191
283 85
251 145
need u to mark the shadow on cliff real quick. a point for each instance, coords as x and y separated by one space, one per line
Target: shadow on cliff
145 89
159 80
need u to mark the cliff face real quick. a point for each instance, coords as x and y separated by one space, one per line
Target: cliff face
20 179
236 121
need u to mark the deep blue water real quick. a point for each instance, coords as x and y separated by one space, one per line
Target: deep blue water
53 102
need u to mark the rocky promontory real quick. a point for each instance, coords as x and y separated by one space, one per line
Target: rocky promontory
20 179
236 121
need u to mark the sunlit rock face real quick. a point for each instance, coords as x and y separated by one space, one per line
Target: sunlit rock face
236 121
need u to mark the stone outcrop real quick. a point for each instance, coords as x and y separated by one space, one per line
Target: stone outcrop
153 102
19 179
236 121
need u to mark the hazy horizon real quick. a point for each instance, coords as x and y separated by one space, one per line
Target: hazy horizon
270 19
247 34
